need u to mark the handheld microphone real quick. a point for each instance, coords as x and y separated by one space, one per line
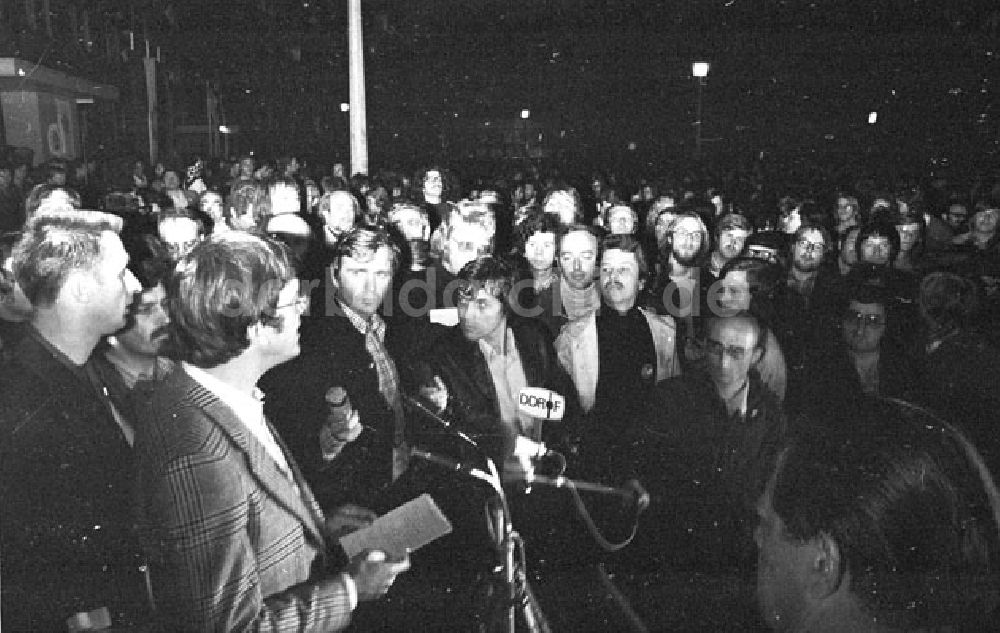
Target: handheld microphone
437 459
444 422
452 465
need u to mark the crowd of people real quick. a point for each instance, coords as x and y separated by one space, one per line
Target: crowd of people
805 384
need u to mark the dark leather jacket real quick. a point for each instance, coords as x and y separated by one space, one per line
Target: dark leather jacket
68 544
472 402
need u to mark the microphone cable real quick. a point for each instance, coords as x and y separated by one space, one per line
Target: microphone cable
595 532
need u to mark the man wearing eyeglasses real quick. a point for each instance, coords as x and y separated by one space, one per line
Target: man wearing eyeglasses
234 535
710 434
808 252
804 305
949 229
617 354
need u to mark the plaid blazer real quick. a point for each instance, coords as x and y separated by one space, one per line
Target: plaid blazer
234 544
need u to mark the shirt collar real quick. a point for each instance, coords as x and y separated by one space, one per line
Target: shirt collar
234 398
489 351
361 324
737 403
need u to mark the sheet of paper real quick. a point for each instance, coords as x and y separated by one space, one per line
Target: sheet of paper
404 529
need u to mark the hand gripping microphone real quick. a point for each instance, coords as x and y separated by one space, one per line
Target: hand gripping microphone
541 404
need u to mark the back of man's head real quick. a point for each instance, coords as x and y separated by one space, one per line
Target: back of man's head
224 286
901 512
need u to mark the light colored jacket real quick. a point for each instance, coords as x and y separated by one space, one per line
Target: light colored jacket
577 349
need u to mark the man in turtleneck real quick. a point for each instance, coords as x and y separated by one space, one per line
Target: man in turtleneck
578 295
617 354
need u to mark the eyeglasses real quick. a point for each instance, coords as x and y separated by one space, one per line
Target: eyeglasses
301 304
716 348
811 247
859 319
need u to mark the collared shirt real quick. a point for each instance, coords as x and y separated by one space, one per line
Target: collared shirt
373 329
161 368
508 380
249 410
737 403
585 366
867 367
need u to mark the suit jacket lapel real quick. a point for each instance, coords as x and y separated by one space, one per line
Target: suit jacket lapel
267 472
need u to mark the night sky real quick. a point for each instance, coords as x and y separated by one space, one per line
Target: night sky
603 75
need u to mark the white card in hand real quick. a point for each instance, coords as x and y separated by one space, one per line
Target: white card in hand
404 529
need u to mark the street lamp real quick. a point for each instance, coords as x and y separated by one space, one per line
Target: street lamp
699 70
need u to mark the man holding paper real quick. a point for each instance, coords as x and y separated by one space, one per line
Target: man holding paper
234 536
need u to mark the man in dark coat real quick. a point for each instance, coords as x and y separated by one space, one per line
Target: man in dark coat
345 354
484 361
65 446
710 438
473 376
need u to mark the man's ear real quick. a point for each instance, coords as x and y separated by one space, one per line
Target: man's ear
758 353
78 287
823 578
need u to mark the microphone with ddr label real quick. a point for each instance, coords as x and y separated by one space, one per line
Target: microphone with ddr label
547 404
541 404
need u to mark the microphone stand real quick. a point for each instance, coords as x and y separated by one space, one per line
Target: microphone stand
517 589
511 540
512 572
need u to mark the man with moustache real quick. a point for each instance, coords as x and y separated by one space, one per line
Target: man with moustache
680 291
730 236
805 307
617 354
136 350
69 556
